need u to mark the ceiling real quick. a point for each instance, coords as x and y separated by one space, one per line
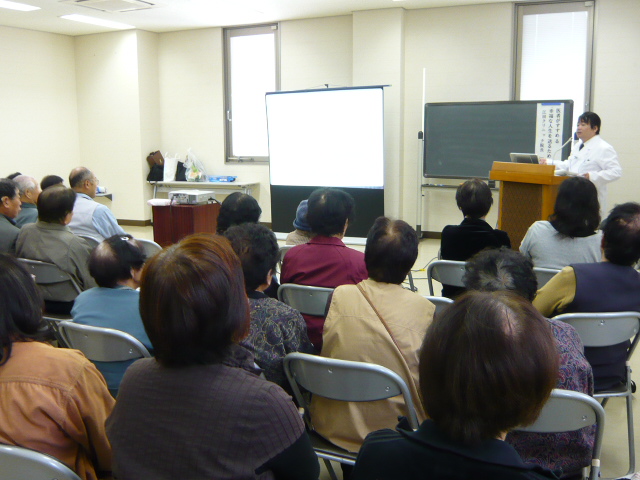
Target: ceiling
171 15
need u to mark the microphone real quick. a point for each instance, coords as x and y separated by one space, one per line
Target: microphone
572 137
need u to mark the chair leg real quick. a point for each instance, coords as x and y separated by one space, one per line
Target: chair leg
332 472
631 437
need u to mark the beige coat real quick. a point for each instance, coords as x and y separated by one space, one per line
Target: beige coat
353 331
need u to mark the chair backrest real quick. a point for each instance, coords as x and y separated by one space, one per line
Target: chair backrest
305 299
17 463
439 302
345 380
281 253
566 411
149 246
49 274
92 241
53 323
604 329
544 275
447 272
102 344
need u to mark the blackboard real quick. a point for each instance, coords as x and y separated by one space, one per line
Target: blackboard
462 140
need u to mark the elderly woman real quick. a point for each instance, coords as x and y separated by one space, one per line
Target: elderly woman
571 235
52 400
199 409
116 265
375 321
236 209
488 364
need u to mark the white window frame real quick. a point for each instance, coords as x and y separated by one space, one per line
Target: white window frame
557 7
232 156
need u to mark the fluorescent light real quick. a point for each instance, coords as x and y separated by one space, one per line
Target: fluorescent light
17 6
97 21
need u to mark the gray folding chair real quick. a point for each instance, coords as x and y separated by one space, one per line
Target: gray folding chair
149 246
92 241
305 299
17 463
447 272
566 411
603 330
49 274
281 253
440 302
53 323
544 275
345 381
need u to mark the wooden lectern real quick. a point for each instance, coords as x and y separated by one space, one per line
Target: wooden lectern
171 223
527 194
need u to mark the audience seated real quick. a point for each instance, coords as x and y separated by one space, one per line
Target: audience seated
612 285
116 265
52 400
570 235
50 180
564 453
199 409
302 233
50 240
375 321
461 242
470 407
9 209
325 261
276 328
90 217
236 209
29 193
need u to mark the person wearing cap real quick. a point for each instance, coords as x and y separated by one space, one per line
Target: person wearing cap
302 233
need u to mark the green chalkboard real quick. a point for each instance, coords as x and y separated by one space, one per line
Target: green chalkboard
462 140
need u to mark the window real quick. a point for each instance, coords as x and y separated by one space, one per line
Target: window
251 70
554 52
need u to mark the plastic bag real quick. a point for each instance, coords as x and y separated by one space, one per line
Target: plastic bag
195 169
170 165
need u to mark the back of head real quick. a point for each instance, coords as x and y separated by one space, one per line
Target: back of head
329 210
591 119
391 251
488 364
497 270
25 183
474 198
236 209
55 203
78 176
257 248
192 301
8 188
50 180
20 306
621 234
577 210
112 261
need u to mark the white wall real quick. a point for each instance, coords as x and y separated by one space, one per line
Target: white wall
38 109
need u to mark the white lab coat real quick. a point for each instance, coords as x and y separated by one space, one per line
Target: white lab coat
599 160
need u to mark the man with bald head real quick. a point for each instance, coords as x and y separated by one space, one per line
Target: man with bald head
29 190
90 217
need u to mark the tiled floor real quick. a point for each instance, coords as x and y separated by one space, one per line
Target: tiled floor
614 457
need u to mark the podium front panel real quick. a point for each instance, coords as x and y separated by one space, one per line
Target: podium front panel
520 206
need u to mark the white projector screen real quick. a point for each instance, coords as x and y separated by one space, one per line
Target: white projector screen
327 138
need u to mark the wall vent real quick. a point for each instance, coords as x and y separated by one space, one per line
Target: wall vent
112 6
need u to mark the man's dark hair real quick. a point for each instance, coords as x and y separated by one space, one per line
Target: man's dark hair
488 364
502 269
50 180
474 198
20 306
329 210
577 210
8 188
78 176
391 251
591 119
111 261
257 248
193 302
621 234
13 175
236 209
55 203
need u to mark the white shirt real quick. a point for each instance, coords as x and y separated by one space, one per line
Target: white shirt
599 160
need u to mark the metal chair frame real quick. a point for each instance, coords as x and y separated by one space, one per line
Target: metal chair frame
440 302
306 299
49 274
544 275
447 272
17 463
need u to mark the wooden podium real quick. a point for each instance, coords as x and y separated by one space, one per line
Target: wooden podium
527 194
172 223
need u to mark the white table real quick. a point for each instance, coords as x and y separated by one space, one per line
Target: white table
217 187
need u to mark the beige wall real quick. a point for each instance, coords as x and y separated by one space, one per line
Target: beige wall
117 96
